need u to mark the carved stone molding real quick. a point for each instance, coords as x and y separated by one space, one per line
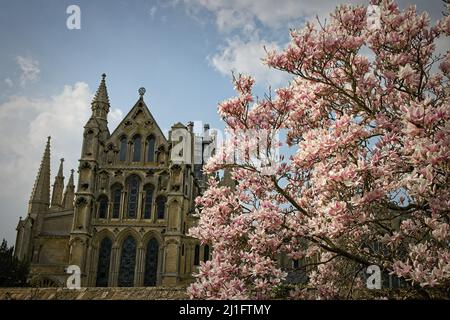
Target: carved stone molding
81 202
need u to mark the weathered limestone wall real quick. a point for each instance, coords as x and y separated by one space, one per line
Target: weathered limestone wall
54 250
147 293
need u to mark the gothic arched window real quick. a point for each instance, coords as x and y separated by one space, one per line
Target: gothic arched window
197 255
160 207
137 148
104 258
151 263
206 253
116 194
147 208
127 262
102 207
133 192
123 149
151 149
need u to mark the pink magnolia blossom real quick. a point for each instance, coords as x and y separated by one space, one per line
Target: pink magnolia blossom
367 179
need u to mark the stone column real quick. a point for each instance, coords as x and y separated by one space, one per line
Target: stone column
114 267
190 261
161 264
141 199
109 212
171 263
122 213
93 266
140 264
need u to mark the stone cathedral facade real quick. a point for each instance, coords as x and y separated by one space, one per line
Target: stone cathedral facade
125 223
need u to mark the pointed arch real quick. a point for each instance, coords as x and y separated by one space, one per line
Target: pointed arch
122 235
197 255
102 207
127 262
123 148
161 207
137 144
151 148
148 201
151 262
116 196
152 234
104 233
104 261
133 185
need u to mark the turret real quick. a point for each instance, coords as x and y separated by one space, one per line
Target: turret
58 188
69 194
96 128
40 195
94 137
100 103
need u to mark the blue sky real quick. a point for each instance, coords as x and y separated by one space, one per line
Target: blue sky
181 51
166 55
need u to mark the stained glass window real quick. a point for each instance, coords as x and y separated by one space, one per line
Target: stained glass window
151 149
137 148
116 193
160 207
133 192
151 263
102 207
197 255
123 149
127 263
148 201
104 258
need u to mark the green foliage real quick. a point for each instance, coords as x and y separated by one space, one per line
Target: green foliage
13 273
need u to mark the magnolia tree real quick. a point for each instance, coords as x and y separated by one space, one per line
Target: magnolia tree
367 117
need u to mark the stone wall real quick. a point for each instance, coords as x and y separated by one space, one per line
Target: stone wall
147 293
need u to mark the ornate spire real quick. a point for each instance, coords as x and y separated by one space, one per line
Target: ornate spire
60 171
58 187
100 103
102 92
70 193
71 179
40 196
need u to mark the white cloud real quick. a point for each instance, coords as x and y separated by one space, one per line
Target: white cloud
228 19
9 82
244 51
234 14
29 68
251 21
25 123
152 11
246 57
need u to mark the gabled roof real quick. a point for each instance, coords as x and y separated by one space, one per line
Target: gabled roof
139 105
179 125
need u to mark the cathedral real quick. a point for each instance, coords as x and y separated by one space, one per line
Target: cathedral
125 224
